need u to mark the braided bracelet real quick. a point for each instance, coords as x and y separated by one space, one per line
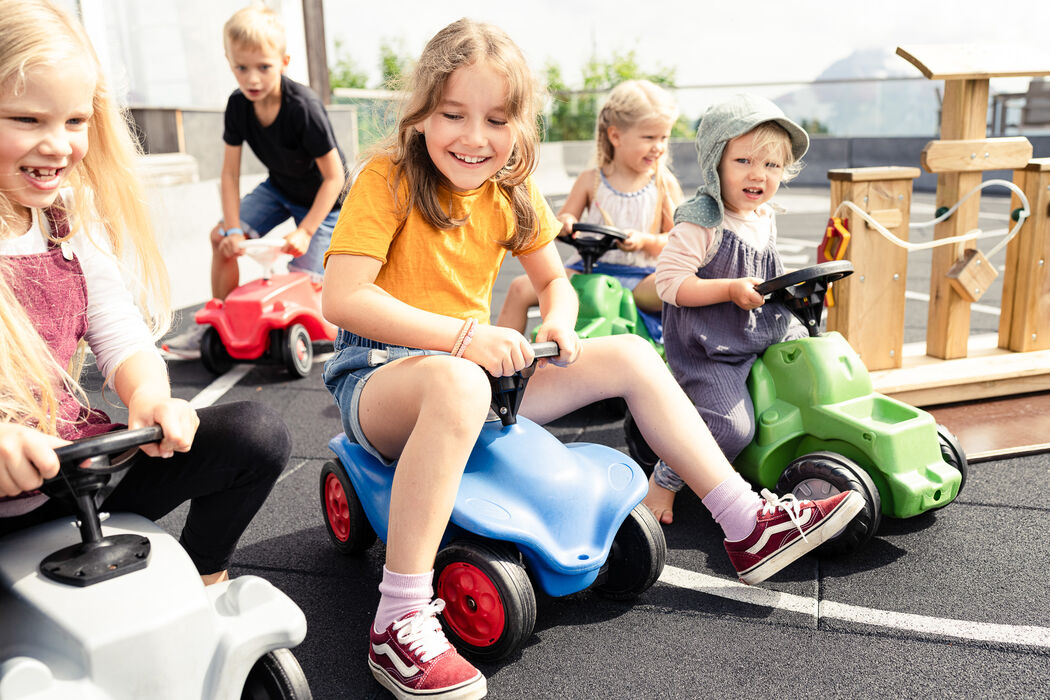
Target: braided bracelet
471 325
459 338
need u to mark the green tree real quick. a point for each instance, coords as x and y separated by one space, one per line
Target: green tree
574 111
394 65
344 72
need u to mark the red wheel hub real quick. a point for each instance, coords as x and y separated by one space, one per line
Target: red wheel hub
300 349
473 607
336 508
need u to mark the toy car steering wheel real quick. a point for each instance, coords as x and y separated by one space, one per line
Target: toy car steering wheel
803 291
591 248
507 391
84 468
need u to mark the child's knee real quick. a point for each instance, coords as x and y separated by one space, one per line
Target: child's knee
459 387
519 287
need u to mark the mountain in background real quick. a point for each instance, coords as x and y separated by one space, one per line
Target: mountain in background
877 108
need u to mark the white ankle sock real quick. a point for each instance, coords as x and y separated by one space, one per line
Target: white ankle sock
400 595
734 506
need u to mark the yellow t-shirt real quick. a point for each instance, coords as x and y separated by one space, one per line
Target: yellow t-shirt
451 271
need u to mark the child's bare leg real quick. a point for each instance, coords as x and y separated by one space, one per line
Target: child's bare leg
429 410
225 273
515 311
627 366
646 297
660 501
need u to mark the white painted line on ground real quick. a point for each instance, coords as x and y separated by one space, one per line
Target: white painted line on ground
1025 635
291 471
214 391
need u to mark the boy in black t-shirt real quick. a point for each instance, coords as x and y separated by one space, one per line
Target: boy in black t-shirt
287 128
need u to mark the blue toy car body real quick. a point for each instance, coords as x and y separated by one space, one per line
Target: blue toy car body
567 516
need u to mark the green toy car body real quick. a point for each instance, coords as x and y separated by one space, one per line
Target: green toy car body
815 395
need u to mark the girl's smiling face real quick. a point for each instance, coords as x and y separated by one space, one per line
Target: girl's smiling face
468 137
748 178
640 147
44 131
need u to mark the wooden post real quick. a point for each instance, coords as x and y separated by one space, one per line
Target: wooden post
316 52
1024 324
869 304
966 70
963 116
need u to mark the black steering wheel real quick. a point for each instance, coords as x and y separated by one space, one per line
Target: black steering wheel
84 468
803 291
507 391
593 247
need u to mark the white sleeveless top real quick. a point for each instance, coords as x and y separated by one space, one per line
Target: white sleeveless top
624 210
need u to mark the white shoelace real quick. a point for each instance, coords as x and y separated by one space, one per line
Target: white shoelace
422 633
789 504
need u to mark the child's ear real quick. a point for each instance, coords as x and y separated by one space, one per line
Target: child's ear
614 136
284 62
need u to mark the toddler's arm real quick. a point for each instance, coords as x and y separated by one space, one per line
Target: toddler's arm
333 181
689 247
27 457
577 201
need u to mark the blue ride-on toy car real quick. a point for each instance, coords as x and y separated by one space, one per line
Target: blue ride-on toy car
529 508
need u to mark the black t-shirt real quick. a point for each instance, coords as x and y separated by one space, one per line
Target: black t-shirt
291 145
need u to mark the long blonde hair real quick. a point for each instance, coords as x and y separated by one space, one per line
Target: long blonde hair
629 104
466 43
106 196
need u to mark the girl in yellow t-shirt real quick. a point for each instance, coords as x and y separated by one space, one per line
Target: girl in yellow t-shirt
410 270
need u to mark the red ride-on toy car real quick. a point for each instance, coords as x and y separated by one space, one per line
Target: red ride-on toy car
272 319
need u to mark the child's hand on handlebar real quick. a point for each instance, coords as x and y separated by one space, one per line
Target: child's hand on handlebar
499 351
634 241
27 457
567 340
296 242
177 418
230 246
742 293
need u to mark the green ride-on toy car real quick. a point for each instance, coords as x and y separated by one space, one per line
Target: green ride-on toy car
820 428
606 306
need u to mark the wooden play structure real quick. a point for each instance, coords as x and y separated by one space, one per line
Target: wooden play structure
869 305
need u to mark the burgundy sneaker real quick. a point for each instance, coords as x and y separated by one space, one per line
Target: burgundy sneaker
412 659
788 528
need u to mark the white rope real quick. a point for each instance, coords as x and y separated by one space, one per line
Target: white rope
968 236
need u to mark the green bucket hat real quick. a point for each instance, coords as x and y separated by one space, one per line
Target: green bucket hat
720 124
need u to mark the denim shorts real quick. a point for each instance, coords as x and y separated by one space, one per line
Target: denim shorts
265 207
345 373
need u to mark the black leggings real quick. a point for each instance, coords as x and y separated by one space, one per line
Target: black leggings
238 452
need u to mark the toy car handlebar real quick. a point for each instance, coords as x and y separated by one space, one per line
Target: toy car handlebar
547 349
116 442
824 272
580 227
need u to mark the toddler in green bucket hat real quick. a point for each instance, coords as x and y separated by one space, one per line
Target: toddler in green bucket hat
722 245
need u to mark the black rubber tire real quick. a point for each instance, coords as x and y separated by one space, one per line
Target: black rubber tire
298 351
637 557
277 675
952 453
214 356
637 447
823 474
343 515
482 582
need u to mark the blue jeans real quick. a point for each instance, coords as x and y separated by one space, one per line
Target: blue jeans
345 374
265 207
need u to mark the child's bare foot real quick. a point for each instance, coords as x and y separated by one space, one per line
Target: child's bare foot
661 502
